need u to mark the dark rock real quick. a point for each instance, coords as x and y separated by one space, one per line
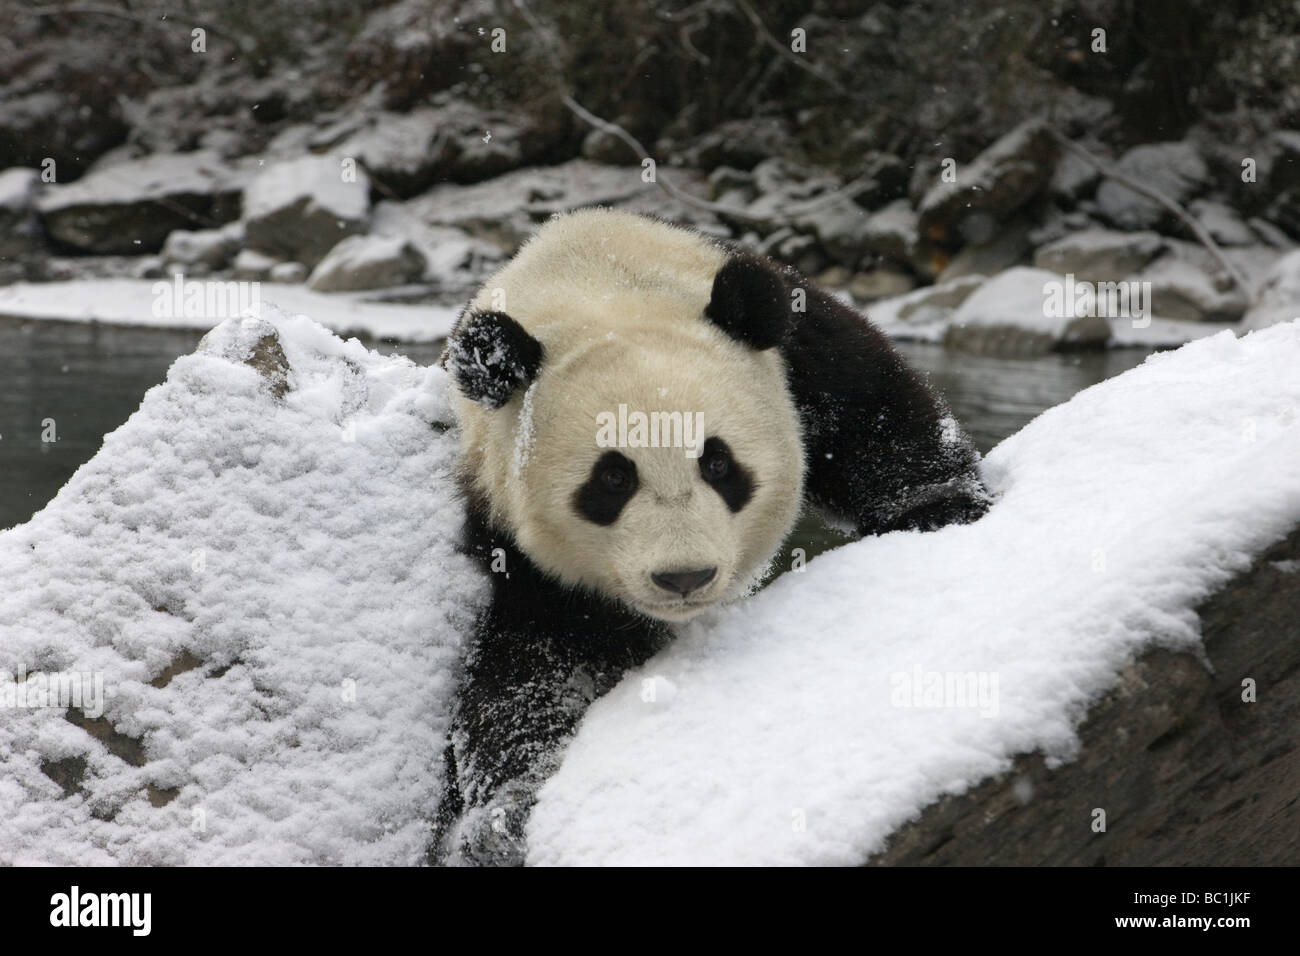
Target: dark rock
130 207
987 190
1175 169
299 209
407 153
1187 772
1099 255
52 124
368 262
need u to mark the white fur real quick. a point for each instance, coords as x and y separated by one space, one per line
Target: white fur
617 302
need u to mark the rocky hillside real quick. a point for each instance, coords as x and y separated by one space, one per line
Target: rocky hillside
880 147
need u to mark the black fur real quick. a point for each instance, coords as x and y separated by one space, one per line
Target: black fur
882 449
540 654
735 484
491 355
601 500
749 303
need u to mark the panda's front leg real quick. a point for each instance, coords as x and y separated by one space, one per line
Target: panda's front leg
540 654
518 703
883 451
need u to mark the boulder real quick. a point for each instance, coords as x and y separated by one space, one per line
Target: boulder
407 153
59 124
1183 289
890 232
368 262
301 208
881 283
1012 314
505 211
130 207
207 249
987 190
840 227
1278 297
1008 247
252 266
1222 222
288 273
1175 169
454 260
1099 255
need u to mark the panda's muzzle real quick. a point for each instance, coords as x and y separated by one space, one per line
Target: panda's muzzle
683 582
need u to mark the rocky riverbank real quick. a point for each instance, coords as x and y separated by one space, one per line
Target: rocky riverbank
405 158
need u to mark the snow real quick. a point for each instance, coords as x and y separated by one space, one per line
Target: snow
297 556
315 180
18 188
798 731
150 177
132 301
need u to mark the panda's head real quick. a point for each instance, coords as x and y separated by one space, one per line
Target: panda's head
656 459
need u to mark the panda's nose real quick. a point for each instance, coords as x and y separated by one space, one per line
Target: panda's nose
683 582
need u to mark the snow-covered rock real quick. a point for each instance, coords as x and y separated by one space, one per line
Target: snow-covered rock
1278 298
368 262
1222 222
299 209
880 283
130 207
288 272
1099 255
408 152
1014 313
1180 289
20 232
984 192
1009 246
1175 169
812 721
258 572
507 210
209 249
251 265
891 231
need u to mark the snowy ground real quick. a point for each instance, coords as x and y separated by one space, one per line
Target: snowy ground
295 554
155 302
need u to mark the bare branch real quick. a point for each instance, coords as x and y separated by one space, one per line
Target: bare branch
766 35
1150 192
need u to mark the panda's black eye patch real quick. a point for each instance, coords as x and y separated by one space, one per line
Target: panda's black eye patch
610 486
725 475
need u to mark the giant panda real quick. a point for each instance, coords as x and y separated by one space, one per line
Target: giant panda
595 549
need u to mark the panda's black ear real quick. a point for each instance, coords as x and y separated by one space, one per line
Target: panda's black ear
749 302
490 355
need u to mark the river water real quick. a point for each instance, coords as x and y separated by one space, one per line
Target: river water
76 382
